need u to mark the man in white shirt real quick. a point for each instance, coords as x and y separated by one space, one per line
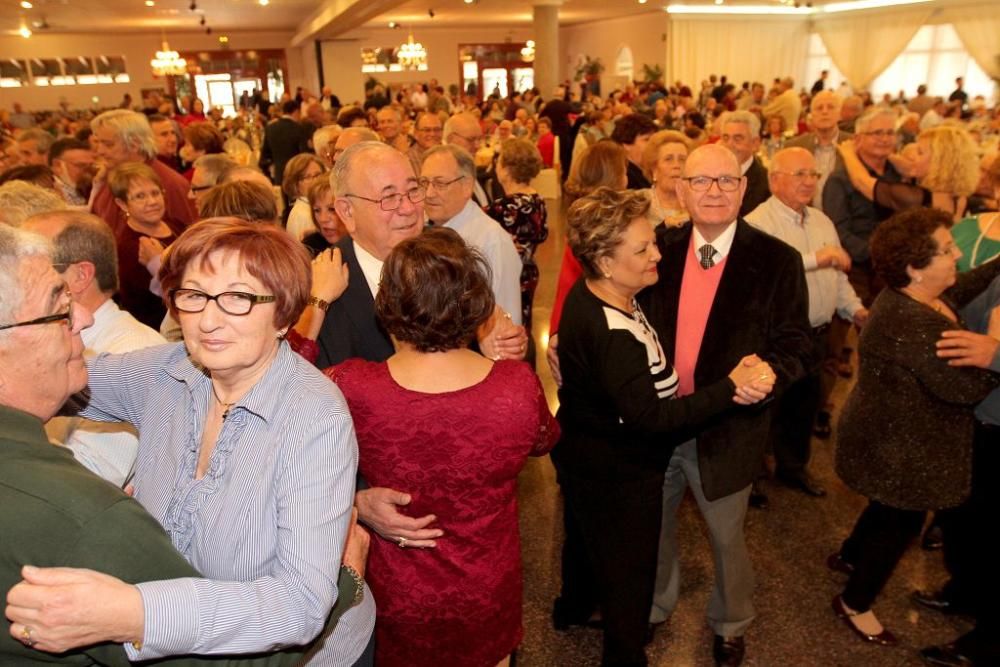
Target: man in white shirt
85 255
788 216
448 174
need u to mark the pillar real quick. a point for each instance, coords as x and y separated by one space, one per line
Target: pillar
546 24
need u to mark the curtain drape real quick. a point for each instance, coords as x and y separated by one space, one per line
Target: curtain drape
744 48
979 30
863 44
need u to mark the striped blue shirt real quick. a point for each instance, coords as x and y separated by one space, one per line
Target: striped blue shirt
266 524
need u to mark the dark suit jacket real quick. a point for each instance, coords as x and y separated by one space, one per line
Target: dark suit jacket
758 189
761 307
283 140
350 328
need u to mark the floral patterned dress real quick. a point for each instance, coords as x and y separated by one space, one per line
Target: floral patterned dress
524 217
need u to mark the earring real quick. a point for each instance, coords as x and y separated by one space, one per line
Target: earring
281 334
918 278
607 275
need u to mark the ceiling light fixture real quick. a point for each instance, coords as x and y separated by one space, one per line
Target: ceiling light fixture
263 3
411 55
25 31
26 5
642 2
150 3
168 62
528 51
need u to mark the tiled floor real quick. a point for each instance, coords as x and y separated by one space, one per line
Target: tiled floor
788 543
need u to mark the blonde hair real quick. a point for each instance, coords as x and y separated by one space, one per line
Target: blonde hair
953 168
652 151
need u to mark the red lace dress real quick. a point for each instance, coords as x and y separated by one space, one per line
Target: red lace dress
458 455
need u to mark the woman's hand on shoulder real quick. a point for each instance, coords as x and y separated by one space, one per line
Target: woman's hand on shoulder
330 275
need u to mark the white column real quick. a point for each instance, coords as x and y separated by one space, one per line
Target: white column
546 24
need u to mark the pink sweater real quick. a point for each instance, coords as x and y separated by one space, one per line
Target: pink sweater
698 287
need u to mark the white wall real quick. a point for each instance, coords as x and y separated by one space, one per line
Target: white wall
137 49
342 57
644 34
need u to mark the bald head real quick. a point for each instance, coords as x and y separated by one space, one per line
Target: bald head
351 136
463 130
716 154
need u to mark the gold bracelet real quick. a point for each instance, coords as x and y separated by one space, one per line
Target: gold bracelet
319 303
359 583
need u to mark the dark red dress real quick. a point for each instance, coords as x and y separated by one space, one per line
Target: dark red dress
458 455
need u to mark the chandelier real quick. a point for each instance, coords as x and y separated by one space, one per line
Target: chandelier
411 55
528 51
168 63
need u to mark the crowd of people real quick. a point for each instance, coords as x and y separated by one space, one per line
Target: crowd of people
303 472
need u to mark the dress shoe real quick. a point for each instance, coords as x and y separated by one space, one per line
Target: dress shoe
803 482
651 629
822 429
758 499
938 601
728 651
884 638
945 655
563 618
837 563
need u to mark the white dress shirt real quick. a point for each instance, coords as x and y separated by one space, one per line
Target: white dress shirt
722 243
371 267
107 449
829 290
300 220
484 233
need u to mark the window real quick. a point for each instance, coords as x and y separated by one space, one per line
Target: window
624 64
13 73
934 56
816 61
383 59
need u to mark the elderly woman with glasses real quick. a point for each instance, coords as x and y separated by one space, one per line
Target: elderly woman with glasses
247 457
138 192
906 430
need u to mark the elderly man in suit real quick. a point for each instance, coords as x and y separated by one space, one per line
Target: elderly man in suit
381 203
741 135
726 290
823 137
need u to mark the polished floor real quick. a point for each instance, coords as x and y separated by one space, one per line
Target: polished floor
788 543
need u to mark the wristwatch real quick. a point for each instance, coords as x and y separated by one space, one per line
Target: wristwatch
319 303
359 583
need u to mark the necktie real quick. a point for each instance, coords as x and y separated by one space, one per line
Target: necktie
707 253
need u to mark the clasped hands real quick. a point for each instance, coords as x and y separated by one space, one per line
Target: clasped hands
754 380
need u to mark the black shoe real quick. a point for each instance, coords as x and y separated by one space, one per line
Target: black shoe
933 538
651 632
804 482
945 655
837 563
884 638
758 499
728 651
563 618
822 429
939 602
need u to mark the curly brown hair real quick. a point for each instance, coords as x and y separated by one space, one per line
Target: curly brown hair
521 159
204 136
905 240
435 292
596 222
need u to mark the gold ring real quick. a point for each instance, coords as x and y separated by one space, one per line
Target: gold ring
402 543
26 637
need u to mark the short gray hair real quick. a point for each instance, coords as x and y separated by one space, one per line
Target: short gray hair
19 200
865 119
85 238
745 117
466 165
131 127
43 140
351 160
215 165
324 136
15 246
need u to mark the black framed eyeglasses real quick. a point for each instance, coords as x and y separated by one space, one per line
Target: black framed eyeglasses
47 319
704 183
232 303
393 202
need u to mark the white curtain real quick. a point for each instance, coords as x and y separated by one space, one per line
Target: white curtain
744 48
979 30
863 44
